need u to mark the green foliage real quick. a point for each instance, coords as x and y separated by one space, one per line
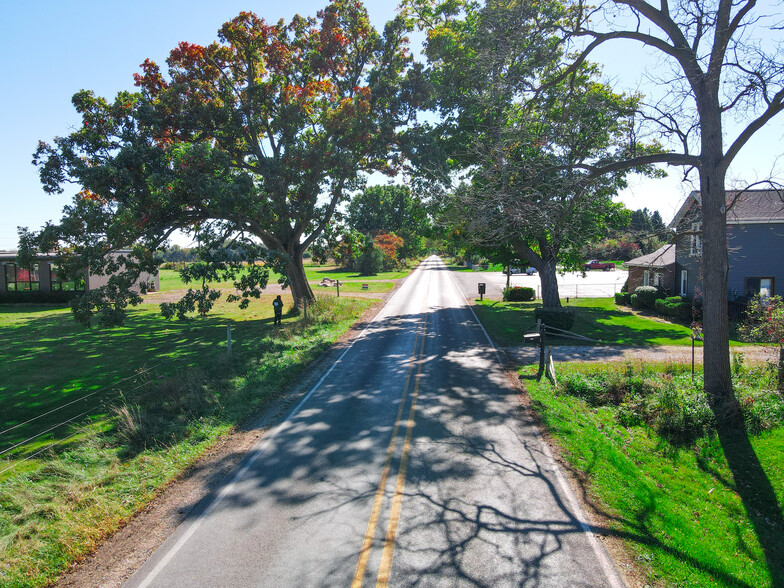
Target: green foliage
391 209
677 507
37 297
623 298
523 155
257 137
764 321
519 294
674 307
371 260
645 297
673 404
560 318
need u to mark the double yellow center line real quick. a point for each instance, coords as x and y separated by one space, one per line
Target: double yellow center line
397 498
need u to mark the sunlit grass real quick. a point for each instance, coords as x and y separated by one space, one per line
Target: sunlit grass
676 507
597 318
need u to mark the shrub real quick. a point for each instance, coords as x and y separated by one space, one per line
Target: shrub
672 404
674 307
559 318
38 297
623 299
519 294
646 296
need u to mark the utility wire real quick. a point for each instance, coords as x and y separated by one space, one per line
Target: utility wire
79 400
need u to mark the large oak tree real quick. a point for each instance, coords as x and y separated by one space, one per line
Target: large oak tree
257 137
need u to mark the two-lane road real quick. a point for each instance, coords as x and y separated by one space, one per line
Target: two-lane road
409 463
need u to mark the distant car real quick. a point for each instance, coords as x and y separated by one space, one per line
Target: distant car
512 270
602 265
530 271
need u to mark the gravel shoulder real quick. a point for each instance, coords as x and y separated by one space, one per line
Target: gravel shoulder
618 353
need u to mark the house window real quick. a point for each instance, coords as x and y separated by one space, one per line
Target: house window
59 285
765 287
646 278
19 279
684 282
657 279
696 239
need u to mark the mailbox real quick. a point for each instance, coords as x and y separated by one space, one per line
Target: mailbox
482 287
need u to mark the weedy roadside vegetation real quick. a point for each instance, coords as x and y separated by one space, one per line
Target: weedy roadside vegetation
114 464
642 441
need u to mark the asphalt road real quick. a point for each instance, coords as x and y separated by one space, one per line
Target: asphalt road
594 284
410 463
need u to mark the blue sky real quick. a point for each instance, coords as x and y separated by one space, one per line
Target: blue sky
53 48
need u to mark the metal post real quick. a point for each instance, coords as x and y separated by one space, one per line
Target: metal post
542 329
228 339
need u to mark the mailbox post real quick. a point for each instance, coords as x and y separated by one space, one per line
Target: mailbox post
482 289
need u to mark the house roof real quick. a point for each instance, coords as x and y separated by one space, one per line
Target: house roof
662 257
743 207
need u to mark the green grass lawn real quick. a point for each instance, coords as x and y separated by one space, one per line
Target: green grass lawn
597 318
676 507
136 438
170 279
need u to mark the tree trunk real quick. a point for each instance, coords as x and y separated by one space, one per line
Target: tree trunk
715 269
549 281
295 272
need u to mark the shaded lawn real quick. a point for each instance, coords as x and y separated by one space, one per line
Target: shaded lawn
597 318
48 359
677 509
56 508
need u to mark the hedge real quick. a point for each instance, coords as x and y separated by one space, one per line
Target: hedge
675 307
559 318
37 297
645 297
623 298
519 294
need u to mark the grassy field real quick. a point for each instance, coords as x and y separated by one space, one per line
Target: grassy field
597 318
672 499
138 434
170 279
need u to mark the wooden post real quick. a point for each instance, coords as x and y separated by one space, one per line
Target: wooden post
228 339
542 329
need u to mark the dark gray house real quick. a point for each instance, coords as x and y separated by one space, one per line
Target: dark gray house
755 238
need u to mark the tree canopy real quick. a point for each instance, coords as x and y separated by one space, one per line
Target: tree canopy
256 138
519 150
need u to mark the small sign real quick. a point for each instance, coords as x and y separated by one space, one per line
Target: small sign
365 286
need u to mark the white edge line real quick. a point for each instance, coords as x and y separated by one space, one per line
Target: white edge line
609 570
256 452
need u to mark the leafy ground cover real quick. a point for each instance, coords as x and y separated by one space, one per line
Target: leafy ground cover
597 318
141 433
642 443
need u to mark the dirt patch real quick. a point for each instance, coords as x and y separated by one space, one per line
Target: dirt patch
121 554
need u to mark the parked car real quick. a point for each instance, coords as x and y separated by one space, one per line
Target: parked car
512 270
602 265
530 271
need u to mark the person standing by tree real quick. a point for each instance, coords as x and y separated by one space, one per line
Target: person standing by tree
277 306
